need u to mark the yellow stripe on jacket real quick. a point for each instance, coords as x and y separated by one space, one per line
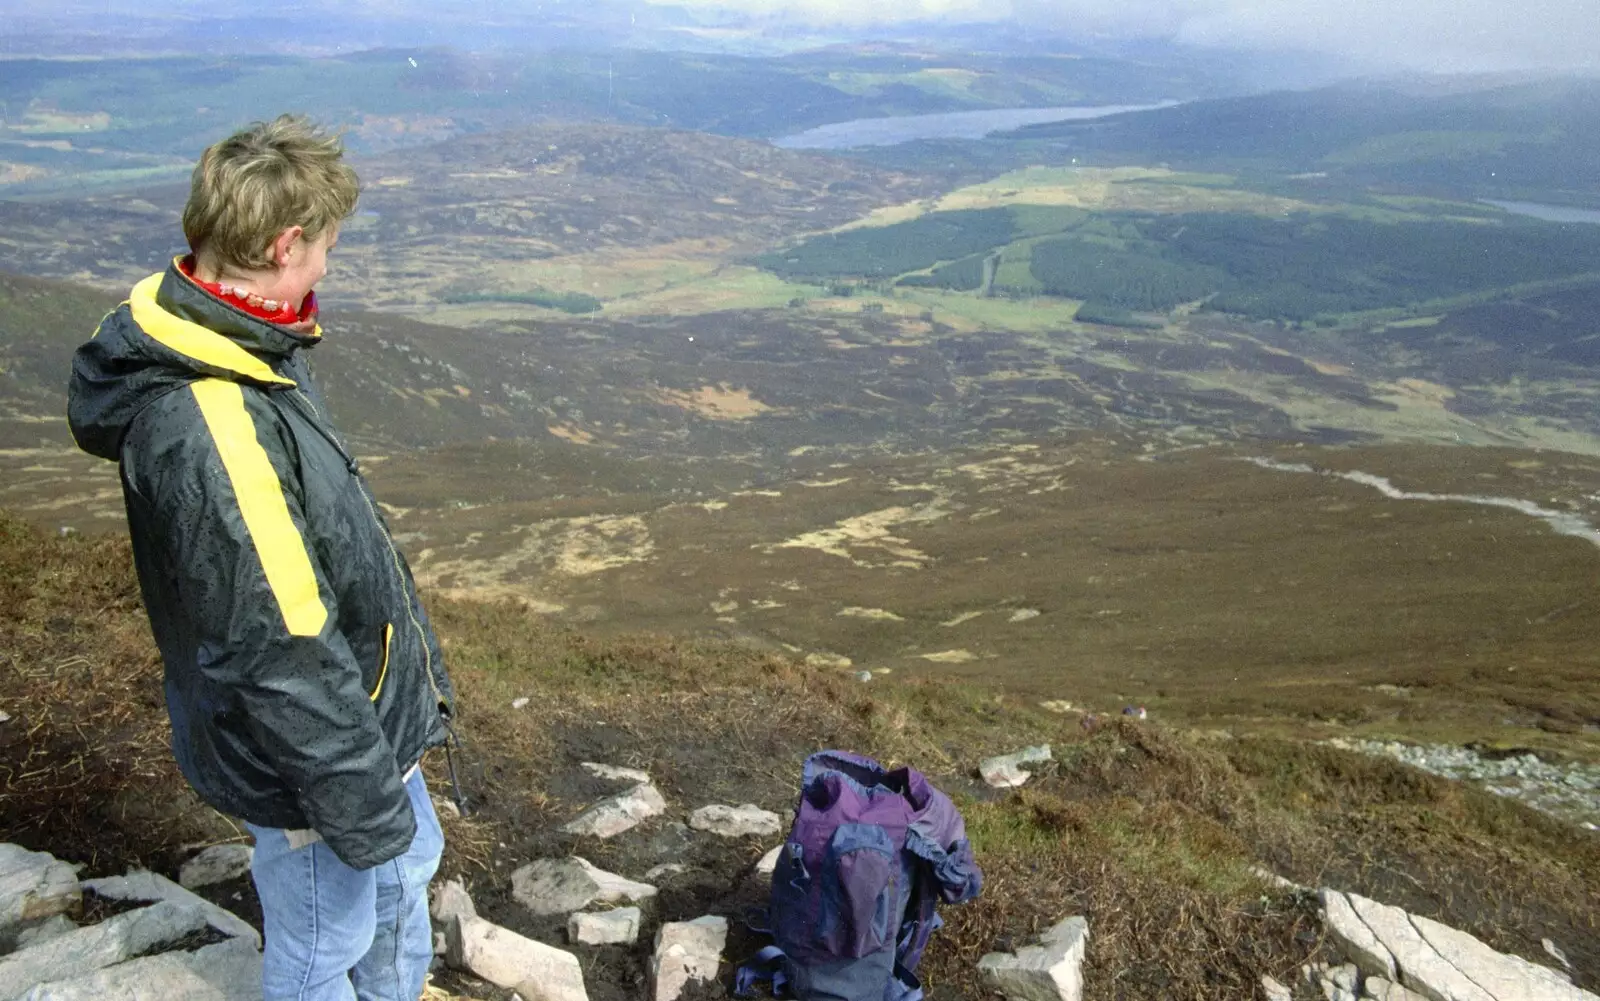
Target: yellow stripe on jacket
263 506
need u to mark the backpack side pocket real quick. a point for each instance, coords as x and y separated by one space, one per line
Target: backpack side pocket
859 891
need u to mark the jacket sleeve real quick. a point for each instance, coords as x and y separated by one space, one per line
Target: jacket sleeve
225 487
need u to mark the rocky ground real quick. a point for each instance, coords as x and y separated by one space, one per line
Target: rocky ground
1147 831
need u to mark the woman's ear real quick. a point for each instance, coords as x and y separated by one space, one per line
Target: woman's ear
283 244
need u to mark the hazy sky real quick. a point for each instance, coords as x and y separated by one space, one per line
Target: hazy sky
1451 35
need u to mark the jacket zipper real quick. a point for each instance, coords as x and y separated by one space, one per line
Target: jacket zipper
394 554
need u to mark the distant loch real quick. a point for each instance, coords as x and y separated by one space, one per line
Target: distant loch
950 125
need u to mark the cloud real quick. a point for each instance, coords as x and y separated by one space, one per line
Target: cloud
1449 35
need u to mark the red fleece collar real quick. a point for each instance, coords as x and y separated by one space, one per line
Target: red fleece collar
248 302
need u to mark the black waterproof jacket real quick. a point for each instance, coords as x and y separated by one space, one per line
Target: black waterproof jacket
302 676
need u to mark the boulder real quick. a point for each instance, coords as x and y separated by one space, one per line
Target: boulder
142 885
534 970
561 886
1433 960
736 822
108 943
685 951
1355 939
1049 971
216 864
34 886
619 813
1006 772
618 927
226 971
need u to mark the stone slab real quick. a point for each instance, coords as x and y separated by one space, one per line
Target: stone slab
216 864
1052 970
618 927
140 884
685 951
748 820
108 943
227 971
536 971
34 886
616 814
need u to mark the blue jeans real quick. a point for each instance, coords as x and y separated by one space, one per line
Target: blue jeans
334 933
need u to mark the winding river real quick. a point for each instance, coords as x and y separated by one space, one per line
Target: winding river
1563 522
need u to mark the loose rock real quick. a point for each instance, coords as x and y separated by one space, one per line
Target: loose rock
142 885
451 902
54 926
34 886
536 971
108 943
623 812
618 927
666 870
685 951
1434 960
561 886
1049 971
768 863
1274 990
736 822
216 864
1005 771
226 971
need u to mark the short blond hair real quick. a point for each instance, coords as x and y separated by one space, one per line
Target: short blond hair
262 180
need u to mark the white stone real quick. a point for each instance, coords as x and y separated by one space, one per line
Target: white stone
141 885
54 926
561 886
1556 953
1443 964
1274 990
1357 941
619 813
685 951
216 864
108 943
613 773
521 702
618 927
613 889
450 903
736 822
536 971
768 864
1506 978
1006 772
1419 966
226 971
1049 971
34 885
666 869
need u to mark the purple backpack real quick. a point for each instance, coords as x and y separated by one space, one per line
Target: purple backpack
871 854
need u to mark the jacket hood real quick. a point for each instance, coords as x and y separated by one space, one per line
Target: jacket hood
169 333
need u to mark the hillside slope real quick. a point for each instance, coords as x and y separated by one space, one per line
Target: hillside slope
1147 831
